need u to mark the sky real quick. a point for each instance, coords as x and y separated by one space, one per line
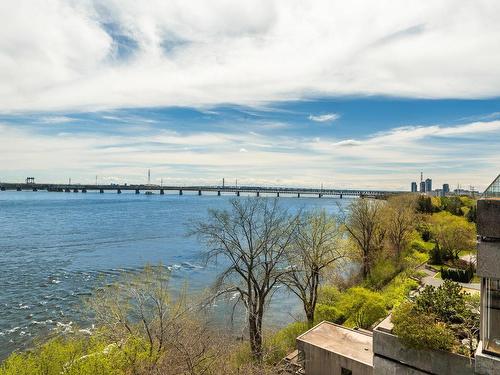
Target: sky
348 94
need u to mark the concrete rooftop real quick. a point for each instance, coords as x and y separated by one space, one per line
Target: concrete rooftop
347 342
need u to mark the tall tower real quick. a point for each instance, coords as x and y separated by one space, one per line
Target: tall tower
149 176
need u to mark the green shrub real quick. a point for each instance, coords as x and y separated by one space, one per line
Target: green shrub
398 289
329 313
436 256
421 331
284 341
381 273
362 307
461 276
328 295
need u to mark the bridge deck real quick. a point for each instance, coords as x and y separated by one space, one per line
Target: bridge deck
199 189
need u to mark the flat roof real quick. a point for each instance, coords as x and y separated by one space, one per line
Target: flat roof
350 343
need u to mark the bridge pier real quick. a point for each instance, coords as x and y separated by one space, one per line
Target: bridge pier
35 189
67 190
341 196
258 193
320 195
75 190
18 189
119 191
84 190
218 193
162 192
2 188
180 192
298 195
101 191
137 191
199 192
278 194
237 193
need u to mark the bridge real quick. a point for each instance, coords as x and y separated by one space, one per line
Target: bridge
161 189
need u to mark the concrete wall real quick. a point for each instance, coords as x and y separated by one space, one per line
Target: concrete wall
488 259
488 217
318 361
383 366
388 346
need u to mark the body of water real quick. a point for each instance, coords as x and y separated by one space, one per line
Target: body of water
57 247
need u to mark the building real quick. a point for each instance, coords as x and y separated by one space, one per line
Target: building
446 189
428 185
414 187
422 186
332 349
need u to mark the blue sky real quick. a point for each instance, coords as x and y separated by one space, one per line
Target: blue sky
268 92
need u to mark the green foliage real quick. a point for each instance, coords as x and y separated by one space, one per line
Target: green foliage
362 307
283 341
329 313
420 245
452 234
398 289
382 272
436 255
77 355
328 295
420 331
462 276
446 302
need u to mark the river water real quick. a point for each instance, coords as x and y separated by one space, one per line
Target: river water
56 248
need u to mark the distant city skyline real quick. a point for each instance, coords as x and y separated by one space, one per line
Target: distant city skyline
267 92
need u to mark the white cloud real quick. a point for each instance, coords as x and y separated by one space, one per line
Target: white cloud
466 153
55 119
60 55
324 118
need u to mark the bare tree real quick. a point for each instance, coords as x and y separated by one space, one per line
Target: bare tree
253 238
140 309
316 246
365 226
401 218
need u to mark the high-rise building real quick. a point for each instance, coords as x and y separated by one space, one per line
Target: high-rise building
428 185
413 187
422 186
446 189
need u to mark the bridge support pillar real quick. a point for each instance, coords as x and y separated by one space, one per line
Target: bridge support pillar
101 191
199 192
67 190
340 196
119 191
258 193
75 190
137 191
278 195
2 188
84 190
320 195
180 192
18 189
218 193
237 193
162 192
35 189
298 195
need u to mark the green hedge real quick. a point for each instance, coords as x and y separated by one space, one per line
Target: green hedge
462 276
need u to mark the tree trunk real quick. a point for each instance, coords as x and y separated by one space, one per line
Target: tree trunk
255 333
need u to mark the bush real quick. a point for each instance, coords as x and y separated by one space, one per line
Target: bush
461 276
284 341
397 291
436 256
329 313
381 273
421 331
362 307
